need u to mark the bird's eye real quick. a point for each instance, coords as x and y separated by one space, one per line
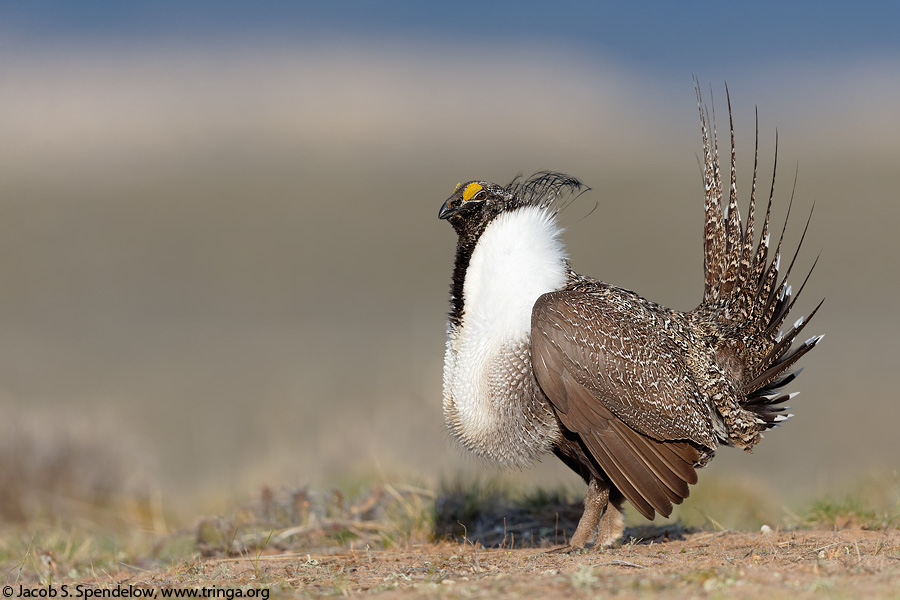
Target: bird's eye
471 192
480 195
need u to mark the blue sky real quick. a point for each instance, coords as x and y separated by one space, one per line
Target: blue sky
692 35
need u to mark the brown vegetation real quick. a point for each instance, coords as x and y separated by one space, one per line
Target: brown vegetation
476 541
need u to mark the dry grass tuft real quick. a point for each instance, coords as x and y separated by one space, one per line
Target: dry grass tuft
874 505
500 517
292 520
847 513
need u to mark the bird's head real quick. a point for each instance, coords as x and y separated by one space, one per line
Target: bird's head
475 204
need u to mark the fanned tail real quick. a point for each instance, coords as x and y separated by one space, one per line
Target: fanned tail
747 297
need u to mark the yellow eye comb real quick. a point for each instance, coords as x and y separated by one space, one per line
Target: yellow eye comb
470 191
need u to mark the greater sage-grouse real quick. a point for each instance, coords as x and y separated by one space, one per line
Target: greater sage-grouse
631 395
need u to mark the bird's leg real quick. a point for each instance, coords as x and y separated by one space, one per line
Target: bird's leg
612 524
596 500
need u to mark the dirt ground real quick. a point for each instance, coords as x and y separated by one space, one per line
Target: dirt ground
400 541
727 564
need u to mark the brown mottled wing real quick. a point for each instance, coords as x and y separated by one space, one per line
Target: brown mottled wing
619 382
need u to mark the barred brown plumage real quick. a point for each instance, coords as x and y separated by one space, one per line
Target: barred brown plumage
631 395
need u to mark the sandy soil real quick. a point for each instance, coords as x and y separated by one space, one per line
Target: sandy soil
728 564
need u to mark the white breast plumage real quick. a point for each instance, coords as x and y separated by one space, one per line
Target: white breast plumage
492 402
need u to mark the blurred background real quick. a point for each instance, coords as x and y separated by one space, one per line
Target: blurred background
221 265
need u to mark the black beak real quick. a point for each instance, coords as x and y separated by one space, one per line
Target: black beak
446 210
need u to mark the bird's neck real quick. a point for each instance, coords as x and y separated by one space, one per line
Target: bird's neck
489 386
497 280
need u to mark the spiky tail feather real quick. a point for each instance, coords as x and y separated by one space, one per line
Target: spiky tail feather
746 299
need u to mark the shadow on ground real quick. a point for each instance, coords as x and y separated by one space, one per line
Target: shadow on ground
390 516
497 518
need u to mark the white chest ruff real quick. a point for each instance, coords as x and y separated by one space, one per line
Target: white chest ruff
492 403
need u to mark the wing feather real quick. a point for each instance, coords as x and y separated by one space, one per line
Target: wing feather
613 381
